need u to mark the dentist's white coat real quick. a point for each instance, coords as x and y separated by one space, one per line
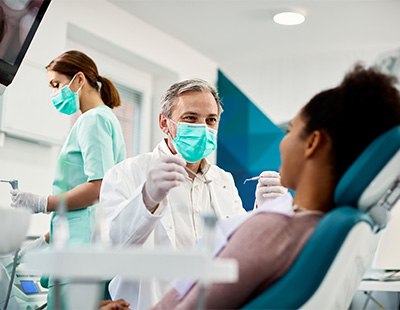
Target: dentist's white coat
130 223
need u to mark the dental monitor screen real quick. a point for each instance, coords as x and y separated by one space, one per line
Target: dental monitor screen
19 20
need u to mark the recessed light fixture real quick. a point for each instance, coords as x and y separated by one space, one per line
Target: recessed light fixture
289 18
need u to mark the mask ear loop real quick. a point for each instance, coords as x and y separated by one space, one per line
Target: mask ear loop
172 138
176 149
69 84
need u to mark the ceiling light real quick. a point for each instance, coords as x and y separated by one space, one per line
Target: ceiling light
289 18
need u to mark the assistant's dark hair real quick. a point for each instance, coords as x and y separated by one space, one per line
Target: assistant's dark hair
72 62
362 107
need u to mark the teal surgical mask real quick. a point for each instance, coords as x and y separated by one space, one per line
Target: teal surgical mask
194 141
66 101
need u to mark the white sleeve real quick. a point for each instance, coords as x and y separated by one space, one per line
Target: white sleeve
128 220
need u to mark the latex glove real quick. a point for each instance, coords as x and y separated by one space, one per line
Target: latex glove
30 201
39 243
269 187
165 173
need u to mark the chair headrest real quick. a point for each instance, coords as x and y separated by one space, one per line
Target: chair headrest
384 180
372 174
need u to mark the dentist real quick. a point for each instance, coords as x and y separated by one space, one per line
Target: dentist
157 199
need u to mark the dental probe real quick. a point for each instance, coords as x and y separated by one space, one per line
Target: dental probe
252 179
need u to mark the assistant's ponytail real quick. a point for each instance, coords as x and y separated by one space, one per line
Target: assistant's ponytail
109 93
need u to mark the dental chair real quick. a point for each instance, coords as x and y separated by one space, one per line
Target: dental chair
331 265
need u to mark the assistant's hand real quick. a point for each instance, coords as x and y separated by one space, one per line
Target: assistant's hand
165 174
30 201
269 187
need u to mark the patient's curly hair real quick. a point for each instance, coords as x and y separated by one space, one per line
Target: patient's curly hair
353 114
3 25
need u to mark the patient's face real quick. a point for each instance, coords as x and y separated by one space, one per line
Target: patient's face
292 150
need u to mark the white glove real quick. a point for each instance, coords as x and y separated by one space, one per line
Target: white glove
269 187
39 243
30 201
166 173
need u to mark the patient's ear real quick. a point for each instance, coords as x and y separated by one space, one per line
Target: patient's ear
314 142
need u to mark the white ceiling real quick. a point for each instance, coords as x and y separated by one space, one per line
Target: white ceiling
240 36
241 32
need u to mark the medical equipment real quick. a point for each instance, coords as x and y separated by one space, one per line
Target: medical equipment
210 221
19 289
13 183
257 177
251 179
204 180
13 224
14 50
26 293
88 266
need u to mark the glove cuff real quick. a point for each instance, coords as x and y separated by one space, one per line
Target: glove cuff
148 201
43 201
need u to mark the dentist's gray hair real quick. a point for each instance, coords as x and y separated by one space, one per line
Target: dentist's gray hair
199 85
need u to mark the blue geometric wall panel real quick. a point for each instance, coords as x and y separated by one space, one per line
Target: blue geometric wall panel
248 142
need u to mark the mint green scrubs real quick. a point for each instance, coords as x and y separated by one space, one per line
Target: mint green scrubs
94 145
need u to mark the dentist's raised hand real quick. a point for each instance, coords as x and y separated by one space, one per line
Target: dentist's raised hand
166 173
33 202
269 187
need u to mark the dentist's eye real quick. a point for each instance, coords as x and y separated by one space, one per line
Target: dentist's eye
189 119
212 121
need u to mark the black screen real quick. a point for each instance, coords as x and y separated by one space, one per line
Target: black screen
19 20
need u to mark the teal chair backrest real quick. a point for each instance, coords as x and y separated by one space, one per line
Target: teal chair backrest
306 274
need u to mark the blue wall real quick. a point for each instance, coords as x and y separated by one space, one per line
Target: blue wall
248 142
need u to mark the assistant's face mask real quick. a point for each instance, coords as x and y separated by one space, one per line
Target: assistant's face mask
66 101
194 141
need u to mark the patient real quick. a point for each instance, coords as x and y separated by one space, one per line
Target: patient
323 139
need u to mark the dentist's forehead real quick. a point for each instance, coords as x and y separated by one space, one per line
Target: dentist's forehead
201 102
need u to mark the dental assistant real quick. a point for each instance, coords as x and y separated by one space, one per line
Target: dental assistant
94 145
157 199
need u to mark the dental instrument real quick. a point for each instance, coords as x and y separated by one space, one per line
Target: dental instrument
13 183
252 179
205 181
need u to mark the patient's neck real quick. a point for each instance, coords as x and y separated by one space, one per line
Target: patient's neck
317 202
315 191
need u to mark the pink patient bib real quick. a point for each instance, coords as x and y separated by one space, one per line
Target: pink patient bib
226 227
